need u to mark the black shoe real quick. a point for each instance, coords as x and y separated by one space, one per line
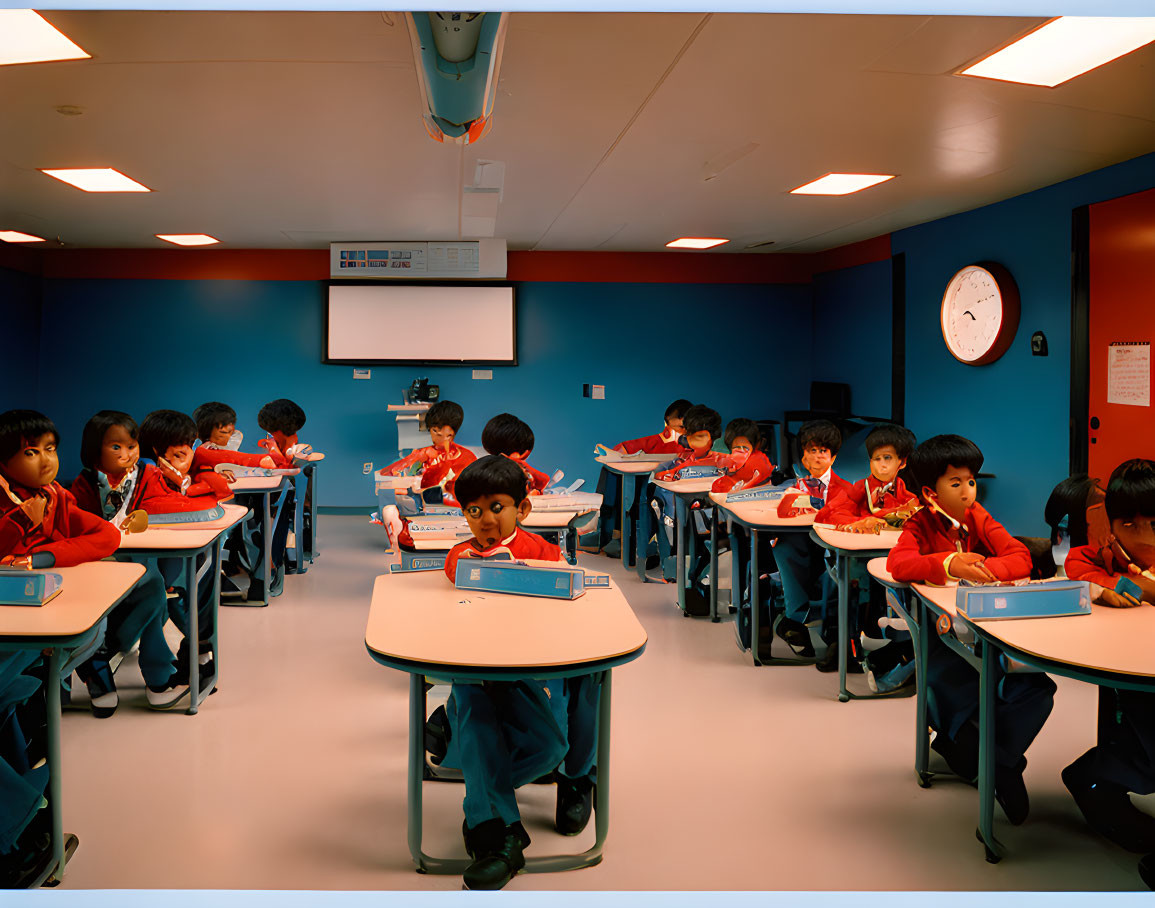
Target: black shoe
437 735
497 852
961 754
1147 870
1107 808
796 635
829 662
575 804
1011 792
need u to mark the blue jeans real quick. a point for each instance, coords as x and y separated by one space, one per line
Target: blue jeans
21 787
172 571
805 581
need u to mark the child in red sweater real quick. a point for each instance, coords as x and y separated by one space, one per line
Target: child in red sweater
954 538
442 461
747 467
507 435
1119 568
666 441
283 419
508 733
863 507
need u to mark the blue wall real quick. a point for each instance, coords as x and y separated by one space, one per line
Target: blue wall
246 342
20 316
1017 409
852 330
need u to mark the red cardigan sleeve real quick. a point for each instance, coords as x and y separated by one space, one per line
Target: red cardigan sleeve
1083 563
913 558
398 467
157 497
14 526
207 458
1009 559
86 536
86 496
845 507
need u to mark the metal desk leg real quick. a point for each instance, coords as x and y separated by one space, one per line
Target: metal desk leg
629 488
714 568
300 485
680 515
755 595
921 726
416 763
313 548
194 633
988 682
55 786
843 568
642 533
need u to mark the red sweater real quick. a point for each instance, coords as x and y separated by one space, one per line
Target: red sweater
156 494
439 468
67 536
1095 565
689 458
276 448
854 502
927 539
794 502
665 443
755 471
536 480
521 545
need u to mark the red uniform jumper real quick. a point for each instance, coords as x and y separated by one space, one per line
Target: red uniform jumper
1025 700
864 499
155 494
755 471
1126 757
278 446
439 468
664 443
520 545
690 458
67 536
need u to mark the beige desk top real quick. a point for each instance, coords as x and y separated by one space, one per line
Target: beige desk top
408 408
762 514
260 483
689 486
421 617
551 520
399 483
876 567
637 466
184 535
856 542
88 593
1109 639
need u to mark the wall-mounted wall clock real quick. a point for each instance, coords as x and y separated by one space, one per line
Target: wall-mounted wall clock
980 313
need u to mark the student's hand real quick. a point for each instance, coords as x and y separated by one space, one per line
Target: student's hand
22 562
1116 600
969 566
33 509
229 475
268 463
1146 584
868 524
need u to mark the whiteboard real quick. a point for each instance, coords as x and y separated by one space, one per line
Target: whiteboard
391 323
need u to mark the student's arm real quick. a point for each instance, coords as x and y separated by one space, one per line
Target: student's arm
90 538
209 483
906 561
1083 564
844 508
208 458
420 455
1011 560
86 496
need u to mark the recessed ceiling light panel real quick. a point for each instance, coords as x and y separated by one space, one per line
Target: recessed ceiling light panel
1064 48
25 37
188 239
842 183
14 236
695 242
97 179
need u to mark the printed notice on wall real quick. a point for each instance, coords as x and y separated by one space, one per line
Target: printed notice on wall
1129 374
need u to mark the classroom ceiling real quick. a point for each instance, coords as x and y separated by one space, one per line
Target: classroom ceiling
618 131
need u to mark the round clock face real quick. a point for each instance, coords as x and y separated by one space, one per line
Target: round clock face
979 314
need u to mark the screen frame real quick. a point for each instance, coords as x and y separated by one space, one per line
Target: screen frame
512 285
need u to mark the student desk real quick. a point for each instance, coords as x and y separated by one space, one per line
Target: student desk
188 541
628 474
685 492
849 547
757 517
419 623
263 487
1110 647
66 623
562 522
305 550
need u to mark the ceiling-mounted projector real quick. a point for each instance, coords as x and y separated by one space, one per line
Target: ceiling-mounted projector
457 57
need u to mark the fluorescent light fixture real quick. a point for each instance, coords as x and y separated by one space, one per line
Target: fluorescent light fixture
25 37
188 239
695 242
13 236
841 183
98 179
1064 48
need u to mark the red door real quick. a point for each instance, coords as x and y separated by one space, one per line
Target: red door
1122 313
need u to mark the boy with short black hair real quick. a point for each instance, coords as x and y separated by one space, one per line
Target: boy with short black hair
747 466
954 538
863 506
443 460
507 435
801 563
283 419
665 442
1118 567
509 733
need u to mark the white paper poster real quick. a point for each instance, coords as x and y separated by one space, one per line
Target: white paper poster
1129 374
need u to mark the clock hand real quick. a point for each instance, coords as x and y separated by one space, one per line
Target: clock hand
968 312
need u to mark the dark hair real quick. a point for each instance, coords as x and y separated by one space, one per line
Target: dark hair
677 408
445 413
700 418
931 459
1131 490
1070 499
490 475
898 437
742 426
92 438
821 432
164 429
19 427
209 416
506 434
280 415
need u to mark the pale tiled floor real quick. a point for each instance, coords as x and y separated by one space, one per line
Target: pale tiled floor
724 776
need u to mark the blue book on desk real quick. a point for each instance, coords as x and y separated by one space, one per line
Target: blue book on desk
762 493
698 472
1033 600
519 579
29 587
208 514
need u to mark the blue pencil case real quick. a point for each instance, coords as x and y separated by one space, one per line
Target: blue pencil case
419 561
762 493
698 472
1033 600
213 513
519 579
29 587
